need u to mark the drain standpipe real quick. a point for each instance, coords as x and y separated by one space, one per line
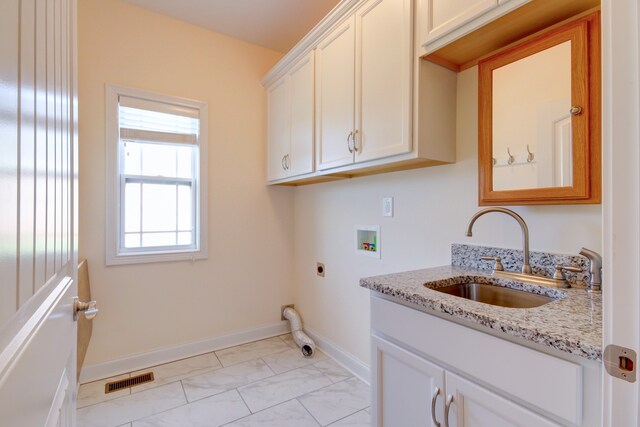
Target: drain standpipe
306 344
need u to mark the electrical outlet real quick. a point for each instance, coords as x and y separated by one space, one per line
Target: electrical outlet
387 206
282 310
320 269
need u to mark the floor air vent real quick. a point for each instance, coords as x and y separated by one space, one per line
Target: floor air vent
128 382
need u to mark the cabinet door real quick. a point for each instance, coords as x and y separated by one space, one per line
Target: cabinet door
278 136
383 78
335 96
302 102
404 386
446 15
475 406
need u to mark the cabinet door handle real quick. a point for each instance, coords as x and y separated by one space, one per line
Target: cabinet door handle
287 161
355 138
447 407
349 142
436 393
282 163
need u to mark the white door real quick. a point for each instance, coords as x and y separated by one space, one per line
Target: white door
406 389
553 162
278 134
475 406
621 199
384 35
37 215
335 97
302 103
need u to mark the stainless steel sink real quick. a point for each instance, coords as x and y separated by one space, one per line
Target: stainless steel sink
495 295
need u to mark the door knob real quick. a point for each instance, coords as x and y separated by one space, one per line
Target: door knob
89 309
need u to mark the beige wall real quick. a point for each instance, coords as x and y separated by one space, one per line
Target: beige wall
432 209
248 274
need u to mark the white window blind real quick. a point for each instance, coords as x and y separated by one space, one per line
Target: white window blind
137 114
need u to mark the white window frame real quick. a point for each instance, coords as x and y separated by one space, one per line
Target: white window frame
115 253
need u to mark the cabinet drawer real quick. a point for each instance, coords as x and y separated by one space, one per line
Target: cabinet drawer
546 382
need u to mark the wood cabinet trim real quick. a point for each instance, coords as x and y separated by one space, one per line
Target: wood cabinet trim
586 90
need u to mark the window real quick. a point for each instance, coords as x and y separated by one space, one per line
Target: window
156 163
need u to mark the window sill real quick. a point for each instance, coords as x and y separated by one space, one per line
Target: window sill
151 257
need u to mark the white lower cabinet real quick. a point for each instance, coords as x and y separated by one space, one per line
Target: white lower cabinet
408 388
474 406
428 371
411 391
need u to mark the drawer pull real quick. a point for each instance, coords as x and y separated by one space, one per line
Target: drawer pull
436 393
447 407
355 140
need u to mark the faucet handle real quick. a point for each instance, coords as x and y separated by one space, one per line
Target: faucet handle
560 277
497 266
559 274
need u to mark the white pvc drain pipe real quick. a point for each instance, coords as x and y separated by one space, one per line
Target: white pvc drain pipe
302 340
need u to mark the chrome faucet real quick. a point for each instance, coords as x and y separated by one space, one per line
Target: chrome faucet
595 269
526 267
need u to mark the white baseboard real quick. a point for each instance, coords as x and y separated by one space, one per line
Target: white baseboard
349 361
140 361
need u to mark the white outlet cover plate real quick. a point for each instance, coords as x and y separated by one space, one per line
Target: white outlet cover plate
387 206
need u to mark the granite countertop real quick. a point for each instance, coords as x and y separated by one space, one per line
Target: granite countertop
572 323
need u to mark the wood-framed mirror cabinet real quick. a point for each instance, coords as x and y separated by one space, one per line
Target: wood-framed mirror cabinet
539 118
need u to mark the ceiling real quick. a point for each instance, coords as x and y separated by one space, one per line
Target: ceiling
275 24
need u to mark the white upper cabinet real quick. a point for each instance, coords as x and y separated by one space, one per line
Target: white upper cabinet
278 129
356 99
442 22
290 122
335 95
363 86
302 104
383 79
446 15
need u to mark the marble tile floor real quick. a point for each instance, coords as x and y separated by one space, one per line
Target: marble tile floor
266 383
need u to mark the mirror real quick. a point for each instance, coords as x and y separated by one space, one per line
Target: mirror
539 118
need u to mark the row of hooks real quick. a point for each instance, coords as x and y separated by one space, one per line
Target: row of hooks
511 159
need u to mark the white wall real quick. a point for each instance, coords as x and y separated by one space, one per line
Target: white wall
432 209
248 274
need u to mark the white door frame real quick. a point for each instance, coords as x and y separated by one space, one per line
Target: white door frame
621 200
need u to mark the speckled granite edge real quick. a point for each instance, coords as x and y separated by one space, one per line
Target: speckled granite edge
542 263
571 324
